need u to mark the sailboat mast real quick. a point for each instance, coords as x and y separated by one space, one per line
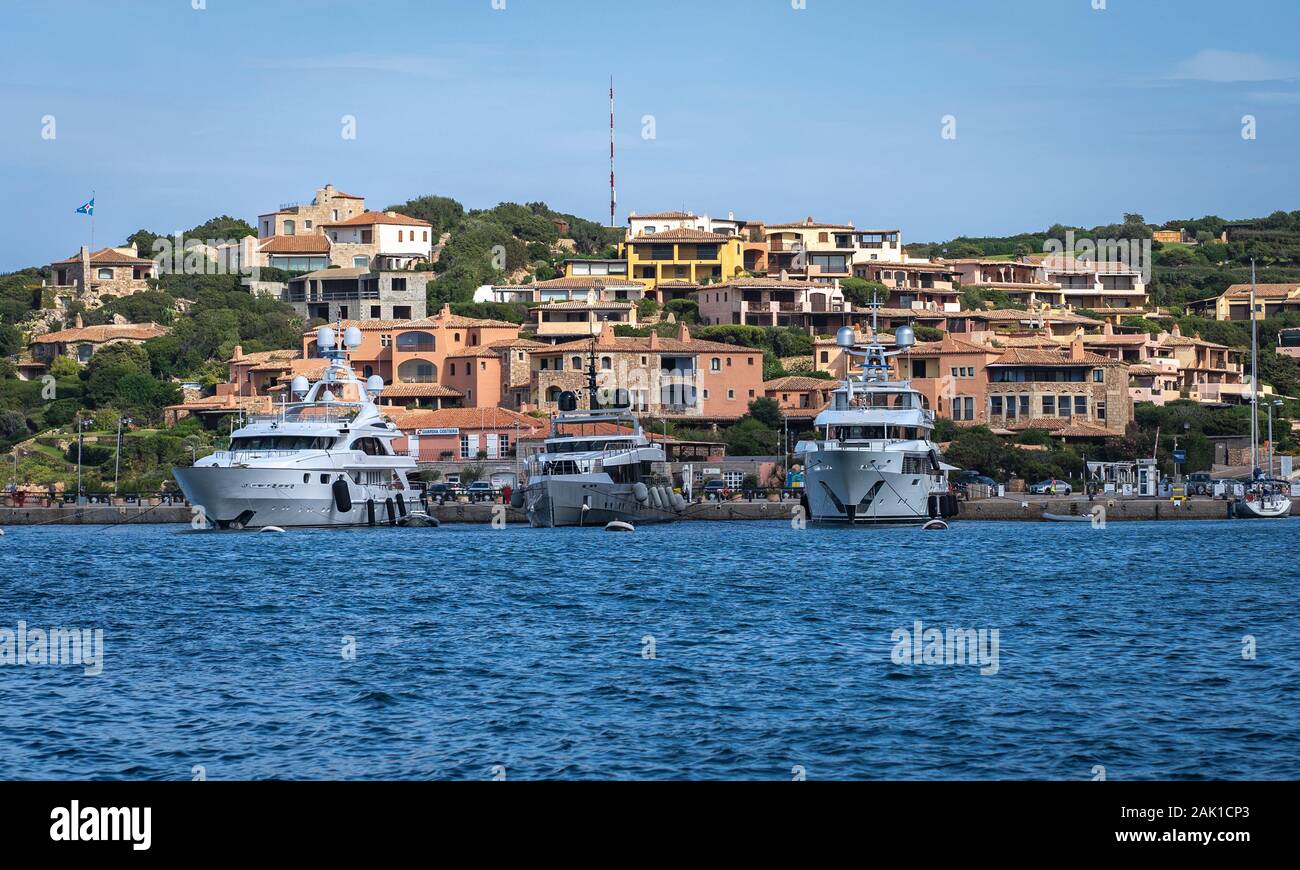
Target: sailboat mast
1254 376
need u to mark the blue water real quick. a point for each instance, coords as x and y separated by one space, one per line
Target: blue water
480 649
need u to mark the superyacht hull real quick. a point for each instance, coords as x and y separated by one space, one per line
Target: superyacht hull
555 503
840 490
250 498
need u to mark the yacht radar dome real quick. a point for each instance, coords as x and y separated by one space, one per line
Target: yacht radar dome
904 336
846 337
300 385
352 338
325 338
375 384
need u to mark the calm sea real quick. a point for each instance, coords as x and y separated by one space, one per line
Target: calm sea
698 650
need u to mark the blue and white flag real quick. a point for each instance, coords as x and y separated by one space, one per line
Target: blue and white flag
88 208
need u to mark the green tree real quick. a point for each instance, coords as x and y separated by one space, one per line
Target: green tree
767 412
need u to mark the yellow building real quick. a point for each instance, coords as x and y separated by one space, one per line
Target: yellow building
683 255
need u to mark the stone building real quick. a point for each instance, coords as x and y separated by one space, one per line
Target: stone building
1072 393
93 278
83 342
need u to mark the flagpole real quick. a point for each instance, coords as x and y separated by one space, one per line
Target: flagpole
92 222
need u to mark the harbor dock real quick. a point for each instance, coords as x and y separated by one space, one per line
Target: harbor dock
1027 509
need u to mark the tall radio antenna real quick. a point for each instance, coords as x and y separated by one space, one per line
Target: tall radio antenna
613 196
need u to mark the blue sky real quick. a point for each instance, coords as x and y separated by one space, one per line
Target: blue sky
1064 113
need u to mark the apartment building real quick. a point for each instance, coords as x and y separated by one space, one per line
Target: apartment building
1023 282
358 293
451 440
1207 372
672 377
914 283
951 375
800 398
581 267
380 240
884 246
412 355
658 222
303 219
811 250
1113 289
815 307
1270 301
682 255
565 321
1072 393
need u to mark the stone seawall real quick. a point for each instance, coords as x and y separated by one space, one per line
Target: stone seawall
1004 509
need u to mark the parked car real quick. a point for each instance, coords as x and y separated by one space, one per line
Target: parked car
714 489
480 490
440 491
1200 483
968 477
1051 487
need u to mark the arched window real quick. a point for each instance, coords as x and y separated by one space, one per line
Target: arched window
288 228
606 363
715 364
553 395
411 342
369 370
577 363
417 371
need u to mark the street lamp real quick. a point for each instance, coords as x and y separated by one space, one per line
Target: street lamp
81 429
117 462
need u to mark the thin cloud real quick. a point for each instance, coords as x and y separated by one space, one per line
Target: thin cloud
1221 66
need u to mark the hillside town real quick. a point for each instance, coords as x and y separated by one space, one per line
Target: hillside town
1061 343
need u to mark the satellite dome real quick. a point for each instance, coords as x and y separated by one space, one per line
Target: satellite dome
300 385
325 338
846 337
375 384
904 336
352 338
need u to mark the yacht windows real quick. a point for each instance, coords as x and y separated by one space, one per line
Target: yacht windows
915 464
857 433
369 446
281 442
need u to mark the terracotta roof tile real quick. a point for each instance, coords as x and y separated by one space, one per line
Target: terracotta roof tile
1019 356
405 391
314 243
583 281
370 218
680 234
105 257
102 333
797 383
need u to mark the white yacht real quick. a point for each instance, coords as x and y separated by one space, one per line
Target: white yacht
873 461
325 459
592 478
1265 499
